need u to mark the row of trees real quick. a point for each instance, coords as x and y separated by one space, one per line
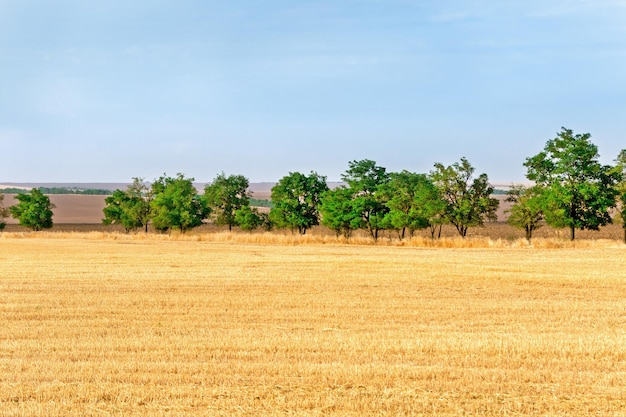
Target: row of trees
372 199
571 190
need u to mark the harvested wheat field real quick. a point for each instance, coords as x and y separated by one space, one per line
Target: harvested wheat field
96 324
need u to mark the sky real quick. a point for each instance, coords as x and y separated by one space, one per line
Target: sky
108 90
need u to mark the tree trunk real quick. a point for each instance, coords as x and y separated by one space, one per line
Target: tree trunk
573 233
624 234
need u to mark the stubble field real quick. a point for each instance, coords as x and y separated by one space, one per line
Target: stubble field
99 324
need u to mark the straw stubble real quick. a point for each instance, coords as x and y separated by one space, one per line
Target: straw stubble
189 327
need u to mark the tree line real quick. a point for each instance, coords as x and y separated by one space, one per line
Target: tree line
60 190
572 189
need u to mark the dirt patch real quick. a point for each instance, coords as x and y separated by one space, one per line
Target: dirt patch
69 208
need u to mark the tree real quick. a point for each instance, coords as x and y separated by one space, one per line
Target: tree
249 218
431 205
412 200
130 208
34 210
578 192
468 199
4 212
297 199
621 169
176 204
365 179
224 196
526 211
338 212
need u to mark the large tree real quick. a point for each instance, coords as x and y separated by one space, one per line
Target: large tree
296 199
468 199
365 179
413 202
224 196
176 204
578 191
129 208
338 211
527 209
34 210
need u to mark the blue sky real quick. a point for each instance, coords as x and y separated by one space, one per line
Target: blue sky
107 90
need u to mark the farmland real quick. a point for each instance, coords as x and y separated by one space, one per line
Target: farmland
98 323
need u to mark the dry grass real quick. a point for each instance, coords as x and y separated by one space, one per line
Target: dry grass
257 325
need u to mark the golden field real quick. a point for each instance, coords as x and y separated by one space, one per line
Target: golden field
107 324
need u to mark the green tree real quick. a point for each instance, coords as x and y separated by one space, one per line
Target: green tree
578 192
338 211
365 179
34 210
249 218
431 205
621 169
410 198
130 208
468 199
176 204
4 212
297 198
527 209
224 196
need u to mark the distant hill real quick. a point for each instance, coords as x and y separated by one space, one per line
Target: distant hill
88 208
260 190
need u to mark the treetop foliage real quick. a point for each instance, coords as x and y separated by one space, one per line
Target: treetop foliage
225 196
176 204
33 210
468 199
578 192
297 198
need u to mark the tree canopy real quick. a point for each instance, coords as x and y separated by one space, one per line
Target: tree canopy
578 192
33 210
224 196
297 198
527 209
176 204
339 213
468 199
129 208
412 200
365 179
